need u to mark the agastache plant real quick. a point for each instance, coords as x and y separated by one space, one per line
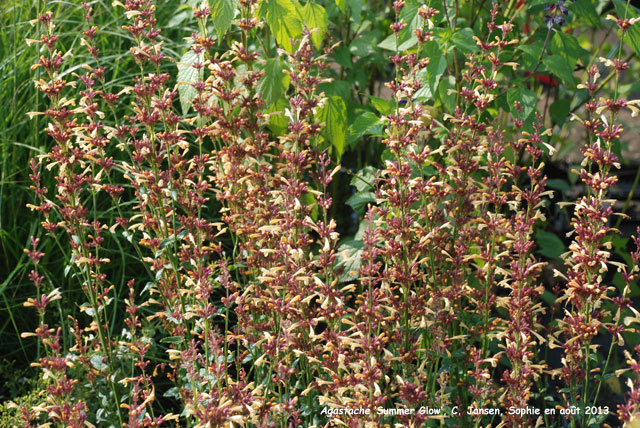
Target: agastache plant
79 159
589 259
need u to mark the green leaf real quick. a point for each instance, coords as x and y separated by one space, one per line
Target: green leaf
549 299
584 9
310 200
406 38
563 147
361 73
366 123
342 4
434 71
283 19
315 18
179 17
222 13
531 55
385 107
409 14
362 229
597 420
168 241
360 200
389 43
172 392
356 10
632 35
187 75
349 254
535 4
278 122
364 45
527 99
534 50
275 81
97 361
334 115
567 47
405 41
447 99
463 40
559 111
336 87
550 245
342 56
558 184
171 339
620 283
560 67
364 179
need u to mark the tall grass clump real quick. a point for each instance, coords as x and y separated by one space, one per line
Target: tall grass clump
187 195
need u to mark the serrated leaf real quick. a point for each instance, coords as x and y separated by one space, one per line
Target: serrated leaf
383 106
585 9
222 13
430 77
567 47
336 87
283 19
549 244
534 49
277 121
334 115
187 75
359 201
560 67
349 254
527 99
315 18
342 56
404 41
367 122
463 40
364 44
275 81
364 179
172 392
97 361
406 38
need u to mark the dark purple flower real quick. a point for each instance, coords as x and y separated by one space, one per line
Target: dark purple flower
556 18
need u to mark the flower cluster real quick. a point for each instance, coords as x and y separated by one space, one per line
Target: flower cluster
556 13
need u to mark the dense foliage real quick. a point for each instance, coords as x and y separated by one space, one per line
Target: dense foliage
283 213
